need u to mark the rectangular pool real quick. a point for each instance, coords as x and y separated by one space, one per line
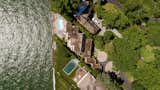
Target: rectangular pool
71 66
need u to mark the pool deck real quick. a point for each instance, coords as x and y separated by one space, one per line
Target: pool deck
59 33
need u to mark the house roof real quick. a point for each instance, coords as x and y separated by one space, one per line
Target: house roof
93 63
74 39
88 48
79 74
86 81
77 42
88 24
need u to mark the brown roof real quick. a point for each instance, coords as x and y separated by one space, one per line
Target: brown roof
72 30
93 63
75 38
86 81
88 24
88 48
77 42
79 74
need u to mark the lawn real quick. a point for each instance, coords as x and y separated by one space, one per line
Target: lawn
61 57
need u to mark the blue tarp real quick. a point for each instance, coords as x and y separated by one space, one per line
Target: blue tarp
81 9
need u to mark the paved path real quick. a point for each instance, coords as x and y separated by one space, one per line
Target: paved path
115 2
154 19
54 83
127 84
117 33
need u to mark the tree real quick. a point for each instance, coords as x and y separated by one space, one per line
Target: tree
108 37
126 51
65 7
148 75
136 85
99 42
111 16
106 81
153 33
140 10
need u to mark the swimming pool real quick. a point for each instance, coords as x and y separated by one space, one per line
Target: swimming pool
71 66
60 23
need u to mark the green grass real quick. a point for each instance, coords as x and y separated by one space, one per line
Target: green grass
153 31
147 53
72 75
61 57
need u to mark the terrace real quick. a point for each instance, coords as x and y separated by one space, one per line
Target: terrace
59 25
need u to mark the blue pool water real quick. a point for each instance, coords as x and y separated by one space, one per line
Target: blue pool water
70 67
60 24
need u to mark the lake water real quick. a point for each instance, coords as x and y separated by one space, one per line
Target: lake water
25 45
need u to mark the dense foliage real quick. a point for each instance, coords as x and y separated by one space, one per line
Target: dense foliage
65 7
153 32
112 16
125 52
131 54
139 10
139 51
101 41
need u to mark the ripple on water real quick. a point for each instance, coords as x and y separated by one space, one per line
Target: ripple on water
25 45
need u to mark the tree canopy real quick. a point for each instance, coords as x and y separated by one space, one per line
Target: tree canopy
138 10
101 41
111 16
65 7
126 51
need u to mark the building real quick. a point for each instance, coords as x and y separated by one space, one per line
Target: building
86 81
83 19
75 39
88 24
93 63
88 48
